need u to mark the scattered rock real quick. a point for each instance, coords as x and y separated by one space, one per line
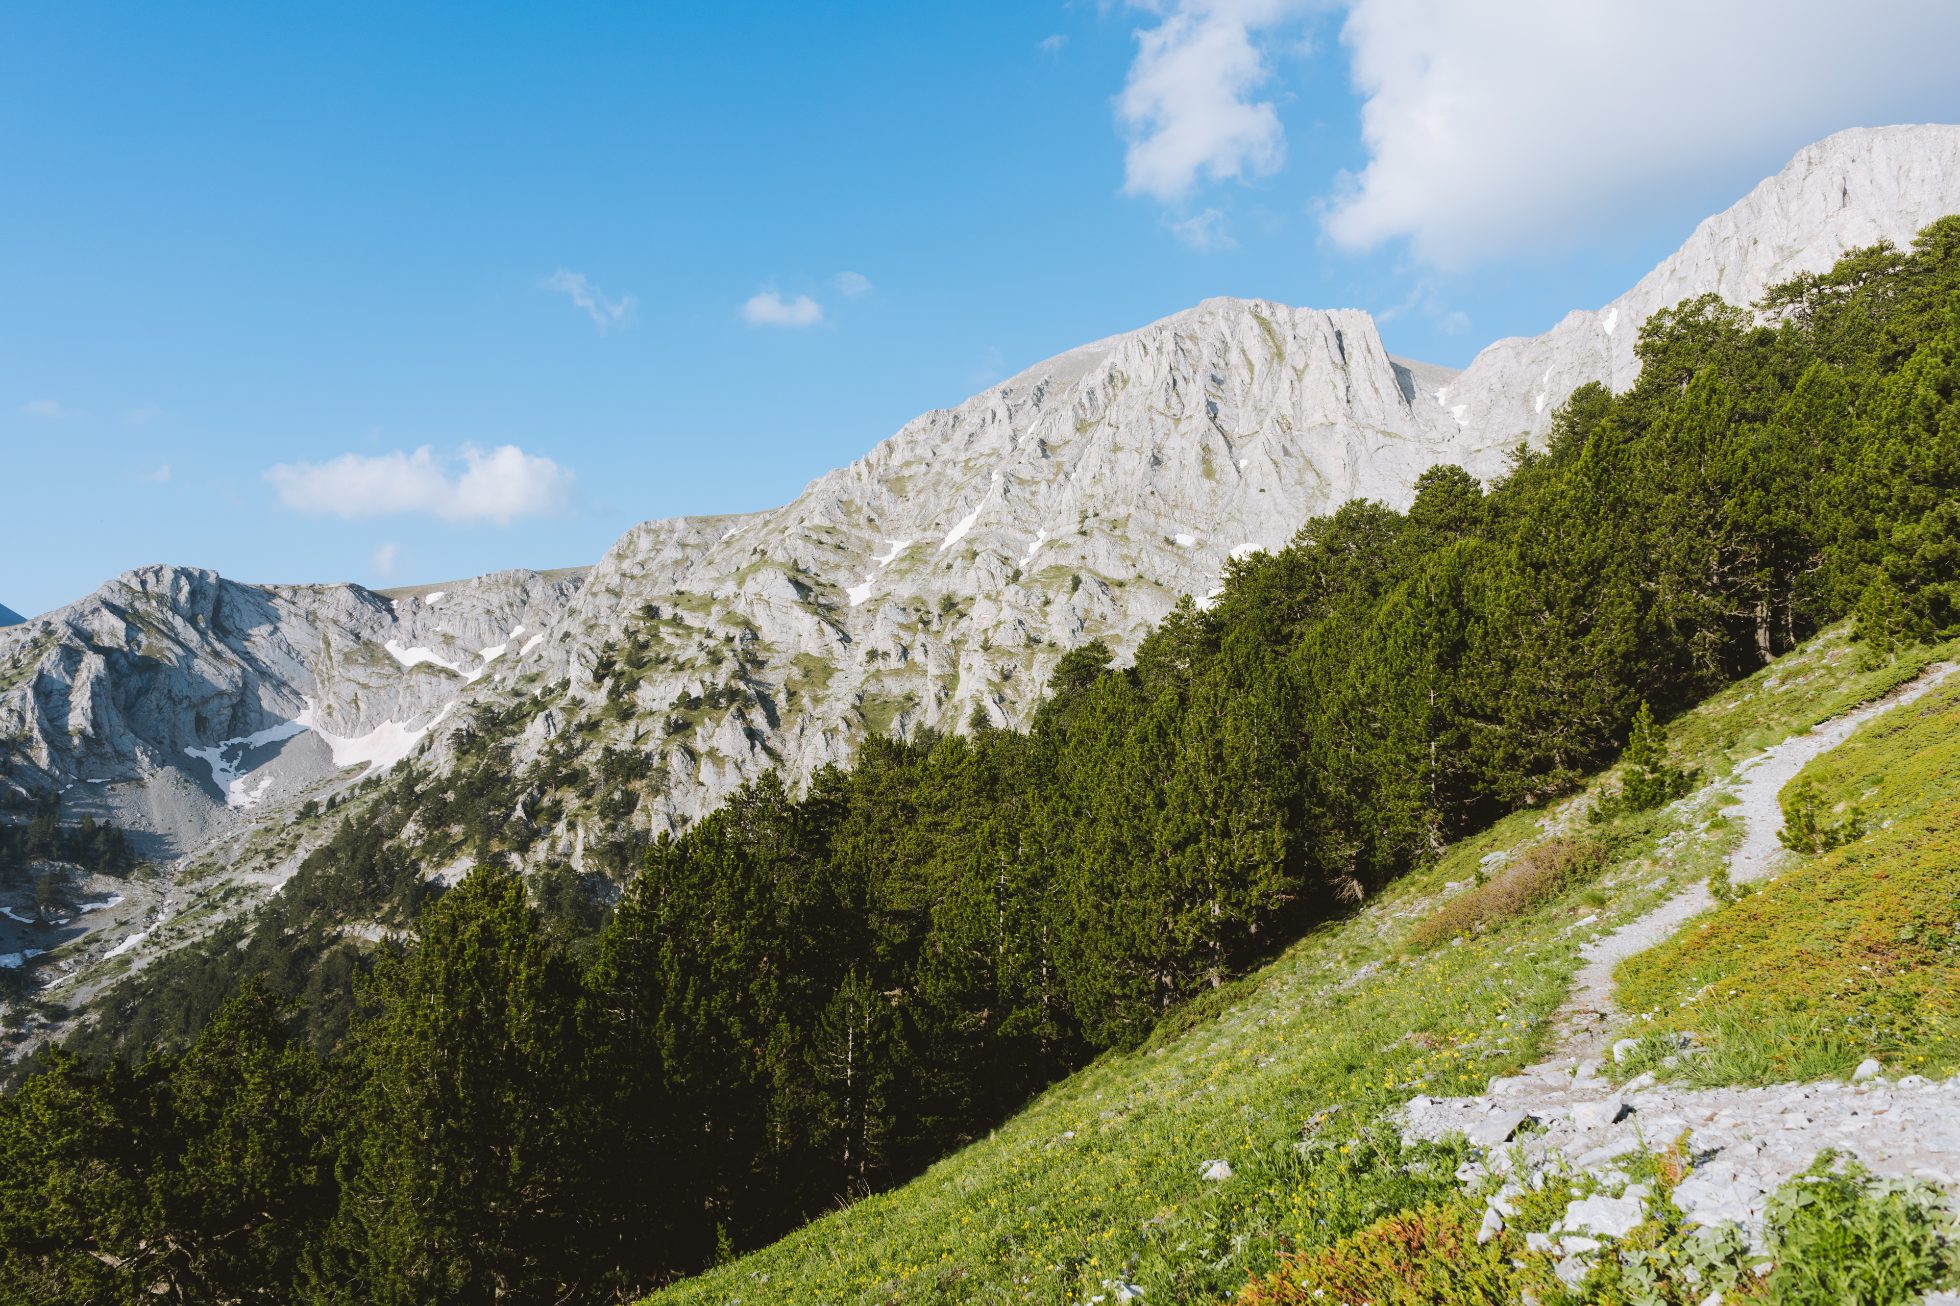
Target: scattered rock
1499 1126
1868 1069
1217 1171
1613 1217
1605 1111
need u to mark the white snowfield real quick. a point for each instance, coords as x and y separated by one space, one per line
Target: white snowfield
378 750
225 759
860 592
133 941
415 657
1746 1142
962 527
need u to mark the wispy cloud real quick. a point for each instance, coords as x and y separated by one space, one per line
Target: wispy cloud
1206 232
383 560
851 284
1052 45
577 287
499 485
158 476
47 409
771 309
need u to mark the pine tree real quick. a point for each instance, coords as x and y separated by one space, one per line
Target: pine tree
471 1144
1647 780
75 1217
250 1188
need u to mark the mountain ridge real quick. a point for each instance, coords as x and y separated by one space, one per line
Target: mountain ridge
930 583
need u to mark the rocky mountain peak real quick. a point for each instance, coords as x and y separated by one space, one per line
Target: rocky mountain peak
1847 191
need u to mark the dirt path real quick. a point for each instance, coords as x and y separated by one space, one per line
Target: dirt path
1583 1023
1747 1141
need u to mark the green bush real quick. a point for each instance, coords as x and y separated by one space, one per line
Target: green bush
1541 872
1838 1234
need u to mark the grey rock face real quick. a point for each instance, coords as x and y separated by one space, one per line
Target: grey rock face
185 700
946 570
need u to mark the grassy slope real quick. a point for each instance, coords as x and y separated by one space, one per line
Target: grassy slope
1099 1178
1846 954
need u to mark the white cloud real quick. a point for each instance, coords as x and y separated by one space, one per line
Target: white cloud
47 408
383 561
1494 128
771 309
500 485
1205 232
851 284
605 313
159 476
1052 45
1188 107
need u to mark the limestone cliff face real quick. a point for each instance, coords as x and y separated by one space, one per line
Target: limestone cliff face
948 568
1845 192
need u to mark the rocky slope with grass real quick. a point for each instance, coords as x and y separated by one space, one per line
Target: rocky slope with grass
1422 1103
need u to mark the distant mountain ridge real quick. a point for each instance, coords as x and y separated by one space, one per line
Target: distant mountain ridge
8 617
933 582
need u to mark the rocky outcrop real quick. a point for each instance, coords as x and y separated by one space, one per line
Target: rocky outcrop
944 572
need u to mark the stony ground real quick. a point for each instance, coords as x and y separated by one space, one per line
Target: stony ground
1743 1142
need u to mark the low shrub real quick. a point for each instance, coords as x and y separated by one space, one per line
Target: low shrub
1411 1258
1540 872
1806 827
1839 1234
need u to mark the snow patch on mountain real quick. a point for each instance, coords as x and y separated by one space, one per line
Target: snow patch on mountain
380 748
227 761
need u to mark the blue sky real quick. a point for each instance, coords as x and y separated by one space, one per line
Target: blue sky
245 238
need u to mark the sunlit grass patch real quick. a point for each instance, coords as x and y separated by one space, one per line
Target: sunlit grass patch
1851 953
1097 1187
